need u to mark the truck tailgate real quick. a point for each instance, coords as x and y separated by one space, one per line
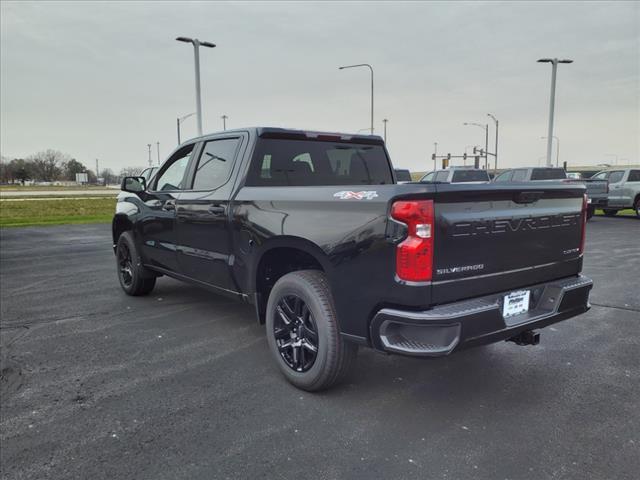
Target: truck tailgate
490 237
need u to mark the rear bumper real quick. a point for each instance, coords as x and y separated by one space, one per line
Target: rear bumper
598 201
459 325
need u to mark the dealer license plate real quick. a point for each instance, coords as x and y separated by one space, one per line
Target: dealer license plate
516 303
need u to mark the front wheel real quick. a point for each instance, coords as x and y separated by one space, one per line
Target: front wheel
303 332
134 278
637 207
590 211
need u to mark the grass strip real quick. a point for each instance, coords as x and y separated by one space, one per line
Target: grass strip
56 211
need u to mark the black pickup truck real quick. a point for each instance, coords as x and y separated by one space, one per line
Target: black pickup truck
312 229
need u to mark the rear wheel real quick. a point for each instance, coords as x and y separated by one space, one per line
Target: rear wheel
134 278
303 332
610 213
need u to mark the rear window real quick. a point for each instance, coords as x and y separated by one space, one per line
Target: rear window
403 175
284 162
460 176
548 174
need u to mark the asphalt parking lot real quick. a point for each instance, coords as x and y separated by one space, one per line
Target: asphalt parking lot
180 384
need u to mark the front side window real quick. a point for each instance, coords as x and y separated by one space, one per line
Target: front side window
214 165
503 177
172 177
286 162
519 176
428 177
442 176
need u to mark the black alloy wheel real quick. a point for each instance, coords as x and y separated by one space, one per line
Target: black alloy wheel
296 333
125 265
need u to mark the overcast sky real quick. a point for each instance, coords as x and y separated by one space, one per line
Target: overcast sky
102 80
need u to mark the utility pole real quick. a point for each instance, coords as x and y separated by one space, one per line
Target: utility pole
149 146
554 67
486 140
435 154
495 152
385 129
224 122
158 151
196 55
97 171
370 68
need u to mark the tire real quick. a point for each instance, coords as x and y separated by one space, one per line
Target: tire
610 213
134 278
303 299
637 207
591 210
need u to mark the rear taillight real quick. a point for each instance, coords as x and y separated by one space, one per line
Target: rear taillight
414 255
585 206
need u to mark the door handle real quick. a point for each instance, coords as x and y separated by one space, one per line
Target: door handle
216 210
169 206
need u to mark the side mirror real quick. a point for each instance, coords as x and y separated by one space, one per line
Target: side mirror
133 184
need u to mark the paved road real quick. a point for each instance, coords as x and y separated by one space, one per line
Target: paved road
181 385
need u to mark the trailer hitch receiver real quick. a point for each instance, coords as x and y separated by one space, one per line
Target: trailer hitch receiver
528 337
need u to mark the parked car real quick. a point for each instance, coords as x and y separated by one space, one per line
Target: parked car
312 230
597 189
457 175
624 189
402 175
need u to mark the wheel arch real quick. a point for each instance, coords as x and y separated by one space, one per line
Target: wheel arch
280 256
121 223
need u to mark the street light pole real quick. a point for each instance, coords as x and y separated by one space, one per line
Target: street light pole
149 146
385 129
196 55
552 99
179 120
495 153
224 122
370 68
557 149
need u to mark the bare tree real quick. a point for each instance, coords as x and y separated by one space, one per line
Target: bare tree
48 165
131 171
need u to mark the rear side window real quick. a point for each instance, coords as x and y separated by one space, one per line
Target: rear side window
428 177
285 162
615 177
634 176
214 165
548 174
442 176
460 176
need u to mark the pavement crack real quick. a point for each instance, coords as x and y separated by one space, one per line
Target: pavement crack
628 309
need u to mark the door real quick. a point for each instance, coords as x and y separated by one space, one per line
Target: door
157 227
616 198
204 249
630 187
